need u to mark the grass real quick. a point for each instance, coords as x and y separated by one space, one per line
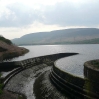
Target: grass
5 40
20 97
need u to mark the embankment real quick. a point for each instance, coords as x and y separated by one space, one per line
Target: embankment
9 51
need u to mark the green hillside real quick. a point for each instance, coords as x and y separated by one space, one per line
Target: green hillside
5 40
8 50
65 36
91 41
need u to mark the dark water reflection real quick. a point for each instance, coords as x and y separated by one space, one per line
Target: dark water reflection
72 64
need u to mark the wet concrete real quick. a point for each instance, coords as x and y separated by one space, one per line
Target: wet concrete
4 74
44 89
23 82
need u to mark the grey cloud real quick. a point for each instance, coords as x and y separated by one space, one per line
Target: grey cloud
20 15
63 14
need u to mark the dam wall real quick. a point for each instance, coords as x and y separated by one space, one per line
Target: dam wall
83 88
48 59
76 87
18 66
92 74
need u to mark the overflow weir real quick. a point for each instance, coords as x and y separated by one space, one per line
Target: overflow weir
66 84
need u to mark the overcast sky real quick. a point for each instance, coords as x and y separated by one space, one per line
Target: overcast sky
20 17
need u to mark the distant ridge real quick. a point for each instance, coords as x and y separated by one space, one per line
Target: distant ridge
65 36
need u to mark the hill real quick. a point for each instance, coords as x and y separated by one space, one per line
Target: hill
5 40
8 50
65 36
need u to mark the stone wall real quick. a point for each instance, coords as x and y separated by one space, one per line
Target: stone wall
83 87
48 59
77 81
92 74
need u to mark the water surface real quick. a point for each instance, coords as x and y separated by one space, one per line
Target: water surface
73 64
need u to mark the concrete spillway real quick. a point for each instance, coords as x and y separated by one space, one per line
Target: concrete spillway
70 77
21 80
66 82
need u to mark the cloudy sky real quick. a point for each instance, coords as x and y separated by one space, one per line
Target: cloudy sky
20 17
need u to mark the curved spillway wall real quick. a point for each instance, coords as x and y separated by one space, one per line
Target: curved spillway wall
80 87
28 63
86 87
92 73
7 66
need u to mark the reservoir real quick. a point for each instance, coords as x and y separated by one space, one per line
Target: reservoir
72 64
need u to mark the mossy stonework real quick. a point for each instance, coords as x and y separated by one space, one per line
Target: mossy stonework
91 72
85 88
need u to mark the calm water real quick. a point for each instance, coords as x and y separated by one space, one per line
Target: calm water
73 64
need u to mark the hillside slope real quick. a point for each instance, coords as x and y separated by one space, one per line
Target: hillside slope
5 40
8 50
59 36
